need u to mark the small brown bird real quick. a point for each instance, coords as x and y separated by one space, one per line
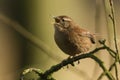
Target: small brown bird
70 38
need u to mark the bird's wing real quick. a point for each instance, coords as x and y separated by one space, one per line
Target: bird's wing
85 33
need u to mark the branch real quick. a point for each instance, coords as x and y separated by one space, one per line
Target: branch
106 72
62 64
70 61
57 67
82 56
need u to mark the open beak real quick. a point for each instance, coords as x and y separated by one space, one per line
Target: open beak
54 17
57 20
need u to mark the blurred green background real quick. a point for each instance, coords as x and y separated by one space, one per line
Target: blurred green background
36 16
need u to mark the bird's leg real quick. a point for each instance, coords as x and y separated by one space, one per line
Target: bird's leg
72 57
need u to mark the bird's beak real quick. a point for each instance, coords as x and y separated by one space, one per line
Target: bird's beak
56 19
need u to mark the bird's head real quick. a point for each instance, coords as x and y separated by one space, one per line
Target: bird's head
63 21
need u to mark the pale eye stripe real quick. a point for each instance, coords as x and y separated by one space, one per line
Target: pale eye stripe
67 19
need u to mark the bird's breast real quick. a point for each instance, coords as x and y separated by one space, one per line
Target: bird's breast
63 42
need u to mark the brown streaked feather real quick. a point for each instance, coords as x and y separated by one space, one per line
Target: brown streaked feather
83 32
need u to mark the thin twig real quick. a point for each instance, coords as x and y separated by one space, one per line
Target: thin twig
112 17
101 75
110 68
116 72
111 52
106 72
115 37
